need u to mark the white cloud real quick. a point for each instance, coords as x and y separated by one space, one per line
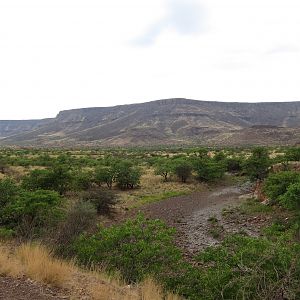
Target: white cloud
61 54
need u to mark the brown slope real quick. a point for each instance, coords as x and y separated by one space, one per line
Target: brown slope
167 121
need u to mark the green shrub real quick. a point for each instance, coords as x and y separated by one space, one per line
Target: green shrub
251 268
277 184
8 190
105 175
209 170
57 179
163 167
127 175
183 169
291 199
256 166
136 249
28 212
103 200
82 181
80 216
6 233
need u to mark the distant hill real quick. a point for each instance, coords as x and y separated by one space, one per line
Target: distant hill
170 121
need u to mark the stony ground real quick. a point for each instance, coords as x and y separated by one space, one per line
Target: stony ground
190 214
24 289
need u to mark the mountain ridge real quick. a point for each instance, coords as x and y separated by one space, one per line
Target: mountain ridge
166 121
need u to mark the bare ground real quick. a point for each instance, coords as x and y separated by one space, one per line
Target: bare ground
23 289
189 215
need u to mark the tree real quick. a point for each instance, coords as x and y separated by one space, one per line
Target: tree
183 169
256 166
58 178
208 169
82 180
127 175
105 175
163 167
103 200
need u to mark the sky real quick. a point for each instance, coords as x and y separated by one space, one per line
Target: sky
64 54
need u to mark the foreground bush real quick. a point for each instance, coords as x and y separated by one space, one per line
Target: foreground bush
277 184
27 212
136 249
251 268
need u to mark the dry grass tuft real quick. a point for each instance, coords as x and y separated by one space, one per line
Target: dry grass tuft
9 266
36 262
151 291
41 266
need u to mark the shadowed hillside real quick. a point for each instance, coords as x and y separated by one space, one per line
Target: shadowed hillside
171 121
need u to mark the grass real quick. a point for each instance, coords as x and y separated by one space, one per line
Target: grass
153 189
147 199
36 262
40 265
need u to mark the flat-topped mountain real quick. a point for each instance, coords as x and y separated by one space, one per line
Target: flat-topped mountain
170 121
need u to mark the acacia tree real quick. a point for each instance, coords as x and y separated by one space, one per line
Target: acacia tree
163 167
106 174
256 166
183 169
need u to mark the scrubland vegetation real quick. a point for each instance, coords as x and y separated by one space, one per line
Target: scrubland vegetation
74 202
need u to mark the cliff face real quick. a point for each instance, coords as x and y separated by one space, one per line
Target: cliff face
170 121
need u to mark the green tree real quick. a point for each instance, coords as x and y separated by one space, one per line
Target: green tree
127 175
103 200
256 166
183 169
106 174
208 169
163 167
58 178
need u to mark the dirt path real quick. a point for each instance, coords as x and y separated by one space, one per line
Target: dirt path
189 214
21 289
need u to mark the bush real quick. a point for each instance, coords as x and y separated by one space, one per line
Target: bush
103 200
291 199
209 170
8 190
163 167
82 181
28 212
136 249
80 217
183 169
57 179
277 184
256 166
234 165
251 268
105 175
127 175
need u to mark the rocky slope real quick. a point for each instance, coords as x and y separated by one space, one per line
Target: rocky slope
171 121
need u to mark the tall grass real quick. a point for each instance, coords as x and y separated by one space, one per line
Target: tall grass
40 265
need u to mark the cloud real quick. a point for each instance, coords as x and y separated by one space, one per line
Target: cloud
186 17
282 49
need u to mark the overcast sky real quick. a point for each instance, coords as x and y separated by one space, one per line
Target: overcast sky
63 54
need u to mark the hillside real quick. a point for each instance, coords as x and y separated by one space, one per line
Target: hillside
171 121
